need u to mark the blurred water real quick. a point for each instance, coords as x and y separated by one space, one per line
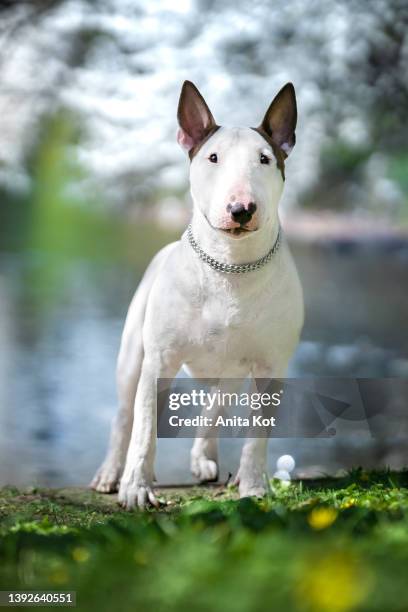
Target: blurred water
59 336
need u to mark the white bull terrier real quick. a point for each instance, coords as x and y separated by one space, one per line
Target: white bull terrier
225 301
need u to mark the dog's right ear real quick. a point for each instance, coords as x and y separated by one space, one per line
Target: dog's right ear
194 117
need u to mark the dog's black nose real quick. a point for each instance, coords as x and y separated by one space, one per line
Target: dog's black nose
240 214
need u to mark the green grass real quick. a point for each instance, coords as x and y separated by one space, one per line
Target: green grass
327 545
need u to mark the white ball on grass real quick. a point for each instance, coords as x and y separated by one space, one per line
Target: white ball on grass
282 475
286 463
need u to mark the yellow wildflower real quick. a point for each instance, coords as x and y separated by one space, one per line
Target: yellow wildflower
347 503
321 518
335 583
59 576
140 557
80 554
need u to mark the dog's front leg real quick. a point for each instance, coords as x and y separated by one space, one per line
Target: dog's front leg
253 467
136 486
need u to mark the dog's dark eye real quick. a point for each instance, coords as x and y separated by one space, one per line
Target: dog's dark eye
263 159
213 158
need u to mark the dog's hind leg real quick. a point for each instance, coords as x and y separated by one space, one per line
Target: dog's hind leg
204 453
204 459
129 367
108 476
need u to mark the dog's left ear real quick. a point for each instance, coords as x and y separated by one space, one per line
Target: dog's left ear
280 119
194 117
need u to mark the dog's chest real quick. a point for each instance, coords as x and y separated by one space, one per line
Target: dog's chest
224 315
221 339
234 322
247 320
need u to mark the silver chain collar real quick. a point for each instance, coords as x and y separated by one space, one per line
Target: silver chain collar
232 268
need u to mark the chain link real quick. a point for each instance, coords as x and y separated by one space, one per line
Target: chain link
232 268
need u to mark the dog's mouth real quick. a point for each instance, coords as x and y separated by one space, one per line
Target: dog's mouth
233 232
236 232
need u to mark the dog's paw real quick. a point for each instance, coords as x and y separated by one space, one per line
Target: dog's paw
107 478
136 494
251 490
250 487
205 470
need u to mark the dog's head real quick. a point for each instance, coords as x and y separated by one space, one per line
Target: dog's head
237 174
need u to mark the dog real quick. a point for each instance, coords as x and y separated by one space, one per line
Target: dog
224 301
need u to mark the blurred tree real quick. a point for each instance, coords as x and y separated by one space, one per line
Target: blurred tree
118 66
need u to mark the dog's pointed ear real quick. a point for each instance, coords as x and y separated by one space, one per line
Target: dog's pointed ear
280 119
194 117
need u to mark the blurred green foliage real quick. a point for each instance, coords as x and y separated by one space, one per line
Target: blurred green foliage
345 185
58 217
68 223
398 171
326 545
344 162
54 225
